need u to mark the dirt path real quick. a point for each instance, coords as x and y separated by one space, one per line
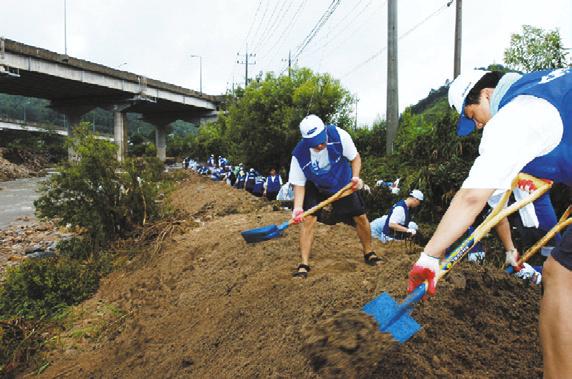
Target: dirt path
211 306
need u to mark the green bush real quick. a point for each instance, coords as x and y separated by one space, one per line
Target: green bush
40 288
99 194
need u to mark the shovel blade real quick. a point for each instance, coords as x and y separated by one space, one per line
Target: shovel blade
392 317
263 233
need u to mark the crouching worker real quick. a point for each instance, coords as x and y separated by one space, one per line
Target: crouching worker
397 224
323 162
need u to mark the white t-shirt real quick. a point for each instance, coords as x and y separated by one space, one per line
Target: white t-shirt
321 159
397 216
526 128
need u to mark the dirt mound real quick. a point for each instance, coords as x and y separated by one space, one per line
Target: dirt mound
210 305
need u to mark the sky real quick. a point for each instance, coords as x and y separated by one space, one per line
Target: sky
157 38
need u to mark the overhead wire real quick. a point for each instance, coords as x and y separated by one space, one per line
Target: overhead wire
250 28
259 25
267 26
289 26
316 29
280 17
409 31
336 27
253 21
348 33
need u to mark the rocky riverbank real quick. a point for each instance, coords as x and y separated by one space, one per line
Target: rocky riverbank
28 238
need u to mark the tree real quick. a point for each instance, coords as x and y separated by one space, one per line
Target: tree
261 125
535 49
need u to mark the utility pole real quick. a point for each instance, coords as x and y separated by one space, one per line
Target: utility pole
355 119
245 62
289 60
458 37
392 112
200 71
65 29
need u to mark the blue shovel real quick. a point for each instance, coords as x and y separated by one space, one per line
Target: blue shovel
395 318
267 232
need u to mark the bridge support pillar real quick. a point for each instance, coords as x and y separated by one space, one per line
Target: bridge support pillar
72 115
72 121
120 134
161 142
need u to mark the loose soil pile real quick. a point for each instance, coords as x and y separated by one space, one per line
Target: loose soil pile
210 306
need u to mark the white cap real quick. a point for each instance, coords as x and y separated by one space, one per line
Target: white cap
417 194
459 89
313 130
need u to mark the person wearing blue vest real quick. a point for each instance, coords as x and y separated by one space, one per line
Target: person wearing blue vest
323 162
258 189
211 161
527 126
396 224
250 180
240 177
272 185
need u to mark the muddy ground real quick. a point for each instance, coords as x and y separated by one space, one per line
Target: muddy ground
208 305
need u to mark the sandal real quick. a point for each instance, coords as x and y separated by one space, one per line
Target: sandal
301 274
371 258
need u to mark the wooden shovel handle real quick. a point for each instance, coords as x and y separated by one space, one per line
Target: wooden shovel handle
563 223
338 195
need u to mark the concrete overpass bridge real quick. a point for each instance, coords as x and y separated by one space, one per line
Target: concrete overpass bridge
75 87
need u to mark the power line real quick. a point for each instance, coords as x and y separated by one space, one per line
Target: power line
267 25
289 26
348 34
253 21
277 23
336 26
259 25
325 16
376 54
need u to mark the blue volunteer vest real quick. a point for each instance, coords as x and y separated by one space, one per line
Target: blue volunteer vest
339 173
273 185
258 187
554 86
386 229
240 179
250 179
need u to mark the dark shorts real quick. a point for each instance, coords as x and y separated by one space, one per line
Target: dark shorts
349 206
563 252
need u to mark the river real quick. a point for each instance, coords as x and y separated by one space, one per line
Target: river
17 199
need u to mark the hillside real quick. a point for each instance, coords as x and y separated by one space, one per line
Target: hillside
208 305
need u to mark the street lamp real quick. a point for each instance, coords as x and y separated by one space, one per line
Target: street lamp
200 71
65 29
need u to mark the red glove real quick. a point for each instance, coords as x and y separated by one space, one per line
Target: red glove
357 183
425 269
297 215
526 185
512 258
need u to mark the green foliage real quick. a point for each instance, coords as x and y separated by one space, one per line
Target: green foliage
428 156
535 49
370 141
40 288
93 193
208 140
260 127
